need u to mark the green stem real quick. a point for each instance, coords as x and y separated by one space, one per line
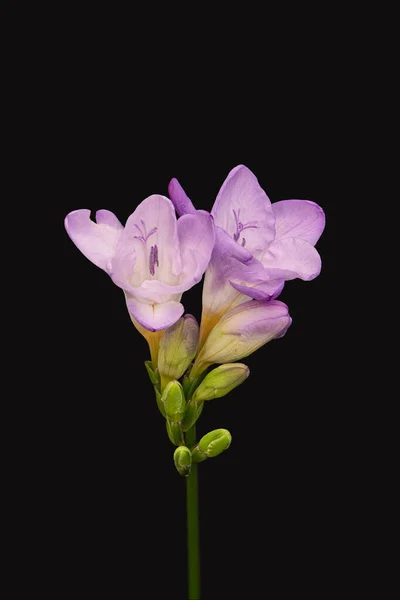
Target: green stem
192 508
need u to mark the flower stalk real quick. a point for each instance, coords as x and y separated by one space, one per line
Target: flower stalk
247 249
192 510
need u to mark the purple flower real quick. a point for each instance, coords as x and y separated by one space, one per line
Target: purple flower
241 331
258 246
154 258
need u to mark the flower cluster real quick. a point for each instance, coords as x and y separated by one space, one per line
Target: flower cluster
246 248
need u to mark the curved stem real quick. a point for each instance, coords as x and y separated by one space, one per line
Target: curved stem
192 509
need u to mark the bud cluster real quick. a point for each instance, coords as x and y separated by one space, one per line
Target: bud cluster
182 402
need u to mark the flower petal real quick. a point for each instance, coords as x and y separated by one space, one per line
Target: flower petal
289 258
266 290
152 224
196 239
227 261
243 210
298 219
97 241
181 201
106 217
155 317
232 269
123 264
196 235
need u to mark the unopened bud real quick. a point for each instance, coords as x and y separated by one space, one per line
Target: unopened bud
160 404
177 348
242 331
174 404
174 431
211 445
174 401
183 460
221 381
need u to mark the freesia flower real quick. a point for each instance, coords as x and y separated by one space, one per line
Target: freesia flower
241 331
154 258
258 245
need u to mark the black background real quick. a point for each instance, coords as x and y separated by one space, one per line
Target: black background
272 506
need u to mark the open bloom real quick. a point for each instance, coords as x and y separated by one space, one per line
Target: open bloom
154 258
258 246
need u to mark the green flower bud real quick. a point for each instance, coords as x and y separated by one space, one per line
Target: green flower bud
183 460
174 401
174 431
192 413
174 404
211 445
221 381
177 348
153 373
160 404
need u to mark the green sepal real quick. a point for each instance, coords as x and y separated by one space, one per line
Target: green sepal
175 433
186 384
197 455
160 403
211 444
192 413
190 385
183 460
153 373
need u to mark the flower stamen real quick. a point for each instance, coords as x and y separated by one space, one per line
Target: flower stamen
240 227
153 259
144 236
